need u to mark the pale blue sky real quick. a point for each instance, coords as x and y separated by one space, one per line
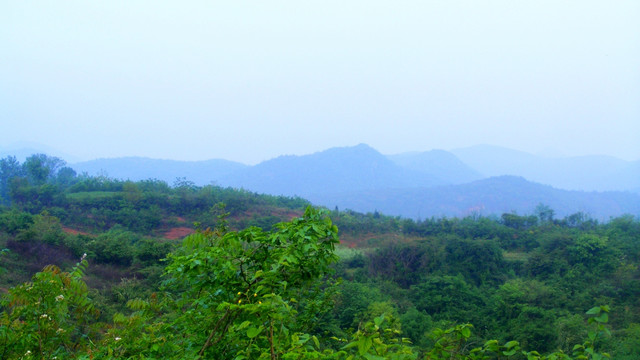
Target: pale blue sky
248 81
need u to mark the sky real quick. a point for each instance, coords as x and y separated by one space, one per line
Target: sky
251 80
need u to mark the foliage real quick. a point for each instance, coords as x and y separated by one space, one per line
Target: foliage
48 317
246 294
519 279
254 294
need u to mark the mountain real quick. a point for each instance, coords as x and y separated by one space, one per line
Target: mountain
437 163
492 196
588 173
139 168
496 161
421 184
343 169
22 150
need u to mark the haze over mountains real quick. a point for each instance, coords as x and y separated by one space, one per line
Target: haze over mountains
589 173
138 168
490 196
476 180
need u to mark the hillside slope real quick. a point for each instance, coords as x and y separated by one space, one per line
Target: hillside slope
344 169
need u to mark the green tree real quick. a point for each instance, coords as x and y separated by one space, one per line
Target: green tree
245 295
9 168
40 168
47 318
544 213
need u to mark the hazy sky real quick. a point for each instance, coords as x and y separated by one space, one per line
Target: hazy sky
251 80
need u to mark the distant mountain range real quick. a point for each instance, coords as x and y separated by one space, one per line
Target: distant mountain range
22 150
439 164
481 179
588 173
340 170
491 196
138 168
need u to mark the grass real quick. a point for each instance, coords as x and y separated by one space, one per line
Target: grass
346 253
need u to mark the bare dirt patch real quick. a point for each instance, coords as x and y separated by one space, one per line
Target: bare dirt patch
73 231
177 233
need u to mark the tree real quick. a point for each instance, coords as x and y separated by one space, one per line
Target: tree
544 213
40 168
9 169
246 295
48 317
65 177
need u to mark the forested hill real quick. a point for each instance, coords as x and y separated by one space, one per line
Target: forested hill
436 167
434 183
335 170
93 267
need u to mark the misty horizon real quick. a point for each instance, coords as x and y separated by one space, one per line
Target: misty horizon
249 83
24 149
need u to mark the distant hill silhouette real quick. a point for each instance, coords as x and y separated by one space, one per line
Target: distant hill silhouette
589 173
438 163
481 179
22 150
342 169
140 168
496 195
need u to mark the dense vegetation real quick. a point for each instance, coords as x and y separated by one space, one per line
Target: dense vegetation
82 275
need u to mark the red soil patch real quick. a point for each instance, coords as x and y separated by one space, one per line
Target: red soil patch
73 231
177 233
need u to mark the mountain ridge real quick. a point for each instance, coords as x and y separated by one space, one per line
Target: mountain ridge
587 172
336 169
450 183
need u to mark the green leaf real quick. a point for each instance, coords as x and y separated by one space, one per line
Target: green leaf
243 325
602 318
511 344
253 332
378 320
364 344
594 311
509 353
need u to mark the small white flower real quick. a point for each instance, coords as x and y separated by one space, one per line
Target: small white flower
27 353
59 297
44 316
117 338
